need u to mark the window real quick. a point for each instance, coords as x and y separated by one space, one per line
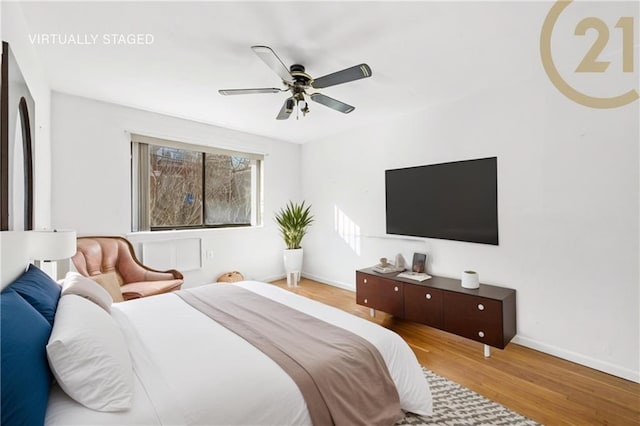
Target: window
181 186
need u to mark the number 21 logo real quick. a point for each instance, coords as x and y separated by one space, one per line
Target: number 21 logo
590 63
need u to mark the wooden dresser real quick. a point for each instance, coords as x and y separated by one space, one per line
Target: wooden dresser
486 314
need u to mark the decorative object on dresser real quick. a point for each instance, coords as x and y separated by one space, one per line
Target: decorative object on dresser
419 263
293 220
470 279
414 276
385 267
486 314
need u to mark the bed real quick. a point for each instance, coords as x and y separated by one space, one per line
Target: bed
184 367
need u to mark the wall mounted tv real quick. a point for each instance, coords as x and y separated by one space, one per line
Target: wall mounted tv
451 201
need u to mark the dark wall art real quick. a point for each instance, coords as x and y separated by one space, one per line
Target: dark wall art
17 130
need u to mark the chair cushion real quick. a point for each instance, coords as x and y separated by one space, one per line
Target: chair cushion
74 283
149 288
110 282
40 290
25 373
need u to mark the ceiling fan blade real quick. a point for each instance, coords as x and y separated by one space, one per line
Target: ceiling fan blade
332 103
350 74
270 58
287 109
249 91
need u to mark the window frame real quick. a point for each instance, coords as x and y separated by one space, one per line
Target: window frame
140 187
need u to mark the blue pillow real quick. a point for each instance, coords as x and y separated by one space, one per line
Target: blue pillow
24 375
40 290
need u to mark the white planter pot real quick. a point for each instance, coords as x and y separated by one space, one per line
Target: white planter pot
293 265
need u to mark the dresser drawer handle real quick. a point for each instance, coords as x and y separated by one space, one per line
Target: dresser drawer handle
365 301
395 289
480 333
365 280
480 307
428 296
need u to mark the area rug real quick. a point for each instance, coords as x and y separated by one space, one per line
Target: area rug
454 404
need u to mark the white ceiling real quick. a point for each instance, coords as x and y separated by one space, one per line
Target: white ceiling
421 53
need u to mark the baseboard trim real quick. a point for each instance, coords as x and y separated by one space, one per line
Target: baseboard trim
603 366
272 278
325 280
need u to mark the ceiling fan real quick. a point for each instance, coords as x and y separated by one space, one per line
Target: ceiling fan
297 81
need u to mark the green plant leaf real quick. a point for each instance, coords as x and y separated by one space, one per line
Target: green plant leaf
293 220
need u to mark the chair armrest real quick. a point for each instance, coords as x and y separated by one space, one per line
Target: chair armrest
149 288
155 275
132 270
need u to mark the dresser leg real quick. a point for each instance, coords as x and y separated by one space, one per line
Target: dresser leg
372 313
487 351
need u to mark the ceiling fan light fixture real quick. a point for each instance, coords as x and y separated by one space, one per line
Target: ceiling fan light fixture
297 81
290 105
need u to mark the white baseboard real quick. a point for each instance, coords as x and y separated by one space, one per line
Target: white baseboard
324 280
603 366
270 279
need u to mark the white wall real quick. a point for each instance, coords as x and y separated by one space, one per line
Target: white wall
92 182
16 33
568 197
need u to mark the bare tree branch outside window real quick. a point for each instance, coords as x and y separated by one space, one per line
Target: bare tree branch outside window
180 197
228 190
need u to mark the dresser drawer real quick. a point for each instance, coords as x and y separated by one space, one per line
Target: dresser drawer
423 304
379 293
474 317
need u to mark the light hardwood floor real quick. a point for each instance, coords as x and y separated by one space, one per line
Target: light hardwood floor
542 387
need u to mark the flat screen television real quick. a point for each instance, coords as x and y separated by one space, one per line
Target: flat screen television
451 201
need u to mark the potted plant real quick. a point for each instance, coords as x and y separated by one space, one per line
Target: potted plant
293 220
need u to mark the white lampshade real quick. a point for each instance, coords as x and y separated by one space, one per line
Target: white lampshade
51 244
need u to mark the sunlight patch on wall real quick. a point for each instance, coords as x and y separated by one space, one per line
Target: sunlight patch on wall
348 230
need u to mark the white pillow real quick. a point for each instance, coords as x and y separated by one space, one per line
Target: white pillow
74 283
89 357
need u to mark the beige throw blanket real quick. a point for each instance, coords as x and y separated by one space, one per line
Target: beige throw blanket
342 376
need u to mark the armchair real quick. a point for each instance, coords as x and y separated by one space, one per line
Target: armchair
111 261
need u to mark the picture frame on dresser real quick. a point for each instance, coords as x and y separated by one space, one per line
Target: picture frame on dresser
419 263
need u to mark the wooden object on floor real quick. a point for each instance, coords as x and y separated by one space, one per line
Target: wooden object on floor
486 314
542 387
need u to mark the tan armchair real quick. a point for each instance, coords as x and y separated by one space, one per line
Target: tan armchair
111 261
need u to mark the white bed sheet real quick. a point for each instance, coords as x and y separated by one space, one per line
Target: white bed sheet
191 370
